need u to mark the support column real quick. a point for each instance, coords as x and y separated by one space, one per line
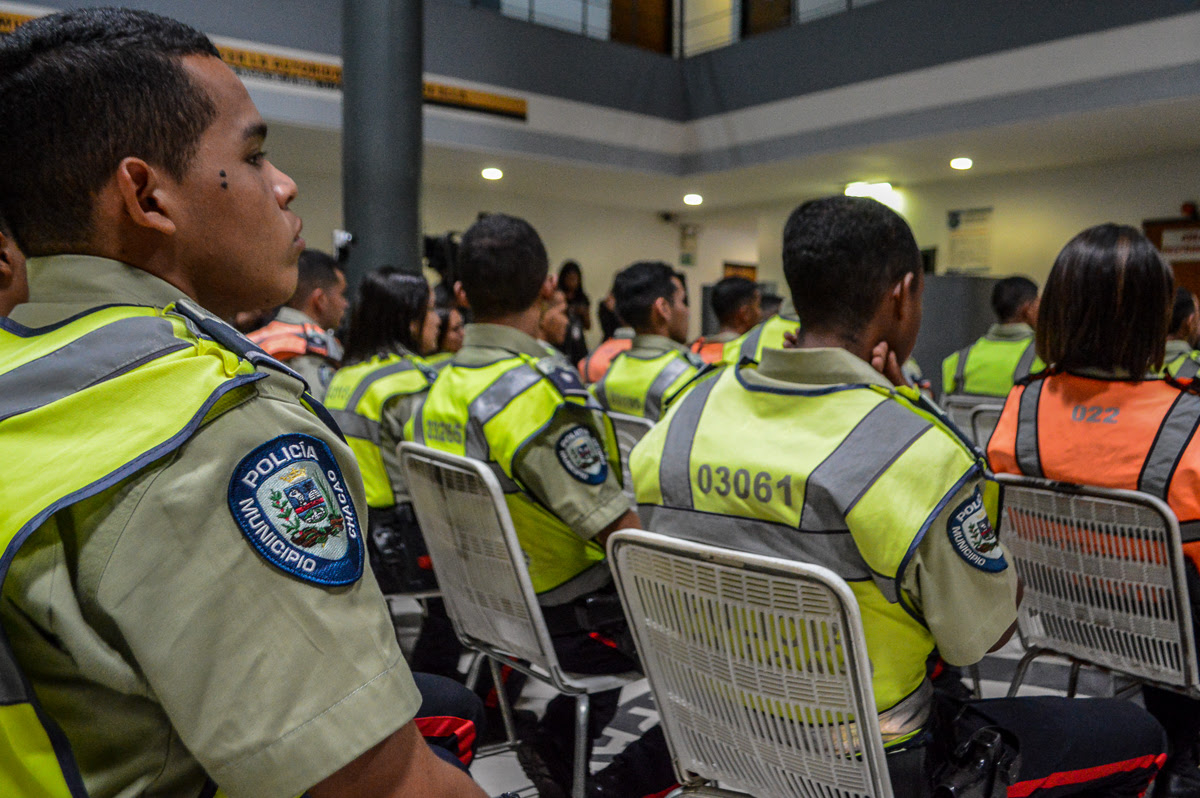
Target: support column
382 59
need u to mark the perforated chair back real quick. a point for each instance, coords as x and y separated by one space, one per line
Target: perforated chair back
1104 578
959 408
630 430
479 565
758 667
984 419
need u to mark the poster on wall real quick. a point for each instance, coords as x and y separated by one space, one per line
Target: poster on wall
1181 245
970 240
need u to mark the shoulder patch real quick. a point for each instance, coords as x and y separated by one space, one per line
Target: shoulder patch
582 455
973 537
291 502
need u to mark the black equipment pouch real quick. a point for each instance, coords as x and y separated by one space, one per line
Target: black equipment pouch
600 612
397 551
980 759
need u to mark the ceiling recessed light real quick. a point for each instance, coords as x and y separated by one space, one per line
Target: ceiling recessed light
961 163
692 199
492 173
883 192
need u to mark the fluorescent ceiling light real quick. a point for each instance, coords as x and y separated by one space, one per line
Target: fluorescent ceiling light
883 192
692 199
492 173
961 163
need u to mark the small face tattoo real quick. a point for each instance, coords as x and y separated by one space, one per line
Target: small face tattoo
224 183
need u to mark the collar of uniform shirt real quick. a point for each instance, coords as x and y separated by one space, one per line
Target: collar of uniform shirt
1015 331
658 343
821 366
1177 348
292 316
68 284
500 336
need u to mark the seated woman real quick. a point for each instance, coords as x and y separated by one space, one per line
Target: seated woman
449 336
1100 415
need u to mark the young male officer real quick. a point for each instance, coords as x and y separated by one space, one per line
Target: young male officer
770 333
503 401
1005 354
836 465
185 588
1182 360
658 367
301 334
737 303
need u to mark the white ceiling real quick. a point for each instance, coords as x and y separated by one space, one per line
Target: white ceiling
1123 133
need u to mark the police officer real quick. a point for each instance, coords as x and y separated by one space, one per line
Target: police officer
1006 353
301 334
737 304
838 466
14 288
502 401
769 333
659 366
1182 361
185 588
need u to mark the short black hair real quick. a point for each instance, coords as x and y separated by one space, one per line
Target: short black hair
81 90
730 294
316 269
637 287
771 303
388 302
841 255
1185 305
1010 295
1107 283
502 265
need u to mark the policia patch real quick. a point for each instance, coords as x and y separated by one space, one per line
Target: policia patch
291 502
973 537
582 455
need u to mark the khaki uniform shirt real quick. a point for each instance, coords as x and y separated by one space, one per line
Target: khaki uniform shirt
317 371
165 647
586 509
965 608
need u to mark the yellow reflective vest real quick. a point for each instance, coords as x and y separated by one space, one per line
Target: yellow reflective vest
991 365
153 379
642 386
849 477
490 413
356 399
767 334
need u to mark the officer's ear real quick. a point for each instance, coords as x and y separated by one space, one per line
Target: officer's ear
14 288
142 195
460 296
549 286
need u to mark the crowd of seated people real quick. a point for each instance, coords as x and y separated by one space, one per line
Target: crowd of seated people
191 593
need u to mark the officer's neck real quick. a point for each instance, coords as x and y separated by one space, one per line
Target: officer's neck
859 345
527 321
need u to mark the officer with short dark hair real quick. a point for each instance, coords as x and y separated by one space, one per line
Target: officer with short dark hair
1006 353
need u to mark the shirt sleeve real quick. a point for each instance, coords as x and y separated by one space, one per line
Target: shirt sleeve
316 371
566 467
273 682
966 593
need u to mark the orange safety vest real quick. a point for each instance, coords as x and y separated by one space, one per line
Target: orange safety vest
709 351
596 364
283 341
1110 434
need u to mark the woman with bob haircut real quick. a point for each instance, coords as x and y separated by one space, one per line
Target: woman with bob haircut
1102 414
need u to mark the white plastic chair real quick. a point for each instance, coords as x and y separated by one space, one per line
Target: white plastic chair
961 407
630 430
485 583
758 667
1104 581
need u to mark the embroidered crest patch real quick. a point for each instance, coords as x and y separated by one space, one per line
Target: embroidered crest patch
291 502
582 455
973 537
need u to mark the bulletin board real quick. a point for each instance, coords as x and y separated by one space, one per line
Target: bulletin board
1179 242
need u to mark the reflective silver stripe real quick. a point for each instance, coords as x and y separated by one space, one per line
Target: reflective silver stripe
960 370
1026 362
1189 531
496 396
355 426
836 551
909 715
601 393
1029 460
1172 438
100 355
665 379
419 425
374 377
836 485
749 350
506 483
674 477
589 581
1189 369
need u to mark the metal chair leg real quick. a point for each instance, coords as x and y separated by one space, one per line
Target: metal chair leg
977 691
475 669
506 712
583 738
1073 679
1022 667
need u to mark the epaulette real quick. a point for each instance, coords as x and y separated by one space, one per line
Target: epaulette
565 379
